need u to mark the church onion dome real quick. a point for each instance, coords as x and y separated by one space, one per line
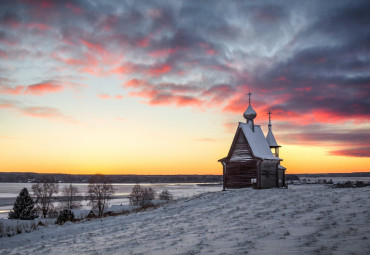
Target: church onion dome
250 113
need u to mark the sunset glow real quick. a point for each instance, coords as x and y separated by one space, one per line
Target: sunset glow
159 87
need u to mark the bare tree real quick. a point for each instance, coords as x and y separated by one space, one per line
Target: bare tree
71 197
100 191
148 195
136 195
43 193
141 196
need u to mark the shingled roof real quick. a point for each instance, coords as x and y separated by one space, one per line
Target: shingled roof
257 141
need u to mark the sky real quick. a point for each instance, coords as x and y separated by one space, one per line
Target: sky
158 87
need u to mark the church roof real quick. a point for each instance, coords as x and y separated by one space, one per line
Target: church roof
257 141
281 167
271 139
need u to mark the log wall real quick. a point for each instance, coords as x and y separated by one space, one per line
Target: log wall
241 151
268 174
239 174
281 178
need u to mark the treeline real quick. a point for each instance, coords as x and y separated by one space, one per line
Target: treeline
83 178
355 174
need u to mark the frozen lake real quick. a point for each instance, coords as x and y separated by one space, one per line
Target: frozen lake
9 192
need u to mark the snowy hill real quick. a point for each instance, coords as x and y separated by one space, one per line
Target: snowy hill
305 219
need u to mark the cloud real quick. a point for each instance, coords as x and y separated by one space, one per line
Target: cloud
352 152
4 104
219 93
43 88
104 96
350 142
107 96
12 91
168 99
159 70
43 112
34 89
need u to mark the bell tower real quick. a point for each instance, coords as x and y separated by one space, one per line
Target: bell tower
271 139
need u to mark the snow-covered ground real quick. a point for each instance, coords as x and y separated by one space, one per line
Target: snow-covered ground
305 219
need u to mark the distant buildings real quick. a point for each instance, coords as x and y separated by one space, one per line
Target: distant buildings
253 160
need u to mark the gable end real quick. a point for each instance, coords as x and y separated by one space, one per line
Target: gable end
240 150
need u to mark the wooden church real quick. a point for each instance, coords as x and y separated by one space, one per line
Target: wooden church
253 159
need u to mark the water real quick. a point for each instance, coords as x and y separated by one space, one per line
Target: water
9 192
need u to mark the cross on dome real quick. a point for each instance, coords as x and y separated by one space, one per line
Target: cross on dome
249 94
269 113
250 113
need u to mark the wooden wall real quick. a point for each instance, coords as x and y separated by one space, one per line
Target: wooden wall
241 151
281 178
268 174
239 174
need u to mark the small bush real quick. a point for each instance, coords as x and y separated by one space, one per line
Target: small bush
53 214
165 195
65 216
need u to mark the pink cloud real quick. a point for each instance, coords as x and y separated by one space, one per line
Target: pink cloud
42 88
4 105
306 89
180 101
135 83
41 112
104 96
162 53
352 152
38 26
38 111
211 52
143 42
125 68
12 91
158 70
95 47
47 113
3 54
281 79
219 93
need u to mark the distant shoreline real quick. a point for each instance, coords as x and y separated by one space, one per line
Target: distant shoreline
24 177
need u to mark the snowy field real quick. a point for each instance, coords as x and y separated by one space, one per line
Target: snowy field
304 219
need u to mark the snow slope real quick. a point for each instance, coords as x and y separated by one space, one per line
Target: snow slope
305 219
